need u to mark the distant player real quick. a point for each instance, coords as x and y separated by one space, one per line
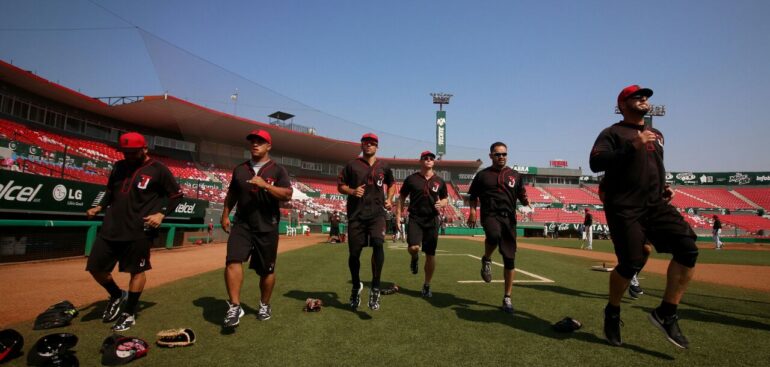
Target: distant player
497 188
427 195
716 231
140 193
637 205
364 180
588 232
334 228
256 189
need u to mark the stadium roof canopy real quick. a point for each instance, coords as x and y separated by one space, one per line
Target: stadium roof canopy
180 117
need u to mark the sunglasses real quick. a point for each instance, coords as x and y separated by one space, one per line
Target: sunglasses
369 142
428 158
637 97
499 155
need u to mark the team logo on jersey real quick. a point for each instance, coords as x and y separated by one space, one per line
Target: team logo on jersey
270 181
511 181
435 187
144 180
380 178
141 263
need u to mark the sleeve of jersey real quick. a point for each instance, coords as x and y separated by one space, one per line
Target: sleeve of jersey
342 177
521 192
172 190
473 193
283 179
107 198
404 191
442 192
608 153
389 176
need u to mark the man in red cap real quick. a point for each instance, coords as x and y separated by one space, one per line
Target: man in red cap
257 187
637 205
363 180
140 193
427 194
497 188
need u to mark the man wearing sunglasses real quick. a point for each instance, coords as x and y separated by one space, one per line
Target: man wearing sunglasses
497 188
363 180
427 194
257 187
637 205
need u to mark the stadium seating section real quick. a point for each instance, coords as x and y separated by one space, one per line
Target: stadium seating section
323 195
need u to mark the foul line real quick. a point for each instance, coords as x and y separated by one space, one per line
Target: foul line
539 279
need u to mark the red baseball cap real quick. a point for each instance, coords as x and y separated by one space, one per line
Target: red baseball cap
633 90
262 134
131 141
427 153
370 136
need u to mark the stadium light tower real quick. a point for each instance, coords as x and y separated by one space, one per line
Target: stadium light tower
440 99
655 110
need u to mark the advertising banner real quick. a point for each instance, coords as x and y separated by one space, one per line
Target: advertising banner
27 193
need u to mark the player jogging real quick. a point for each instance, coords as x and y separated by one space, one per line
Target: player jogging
363 180
257 187
427 194
140 193
497 188
637 205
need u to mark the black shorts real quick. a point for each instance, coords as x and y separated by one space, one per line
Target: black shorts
631 228
334 230
501 231
132 256
261 247
425 234
362 232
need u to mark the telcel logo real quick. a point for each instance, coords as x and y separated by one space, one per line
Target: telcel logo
185 208
12 192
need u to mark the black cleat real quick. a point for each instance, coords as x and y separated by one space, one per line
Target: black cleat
114 304
634 291
486 269
355 296
374 299
233 315
670 327
125 322
426 291
612 324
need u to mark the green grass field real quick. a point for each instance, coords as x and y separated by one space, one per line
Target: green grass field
460 325
706 256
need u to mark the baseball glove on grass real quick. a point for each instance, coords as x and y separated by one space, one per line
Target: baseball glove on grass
313 305
175 338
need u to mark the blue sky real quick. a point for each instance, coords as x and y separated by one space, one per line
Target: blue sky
541 76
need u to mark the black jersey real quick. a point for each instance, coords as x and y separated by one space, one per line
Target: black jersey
588 220
717 224
497 190
632 177
135 191
423 194
256 207
358 172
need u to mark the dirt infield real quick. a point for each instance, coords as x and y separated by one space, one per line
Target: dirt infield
35 286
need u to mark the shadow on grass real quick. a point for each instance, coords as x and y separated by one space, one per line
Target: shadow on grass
95 310
563 290
439 299
530 323
214 310
330 299
714 317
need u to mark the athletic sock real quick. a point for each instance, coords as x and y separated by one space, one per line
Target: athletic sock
666 309
611 310
354 263
112 288
133 300
378 258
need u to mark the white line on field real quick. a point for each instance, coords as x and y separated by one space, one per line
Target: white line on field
540 279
